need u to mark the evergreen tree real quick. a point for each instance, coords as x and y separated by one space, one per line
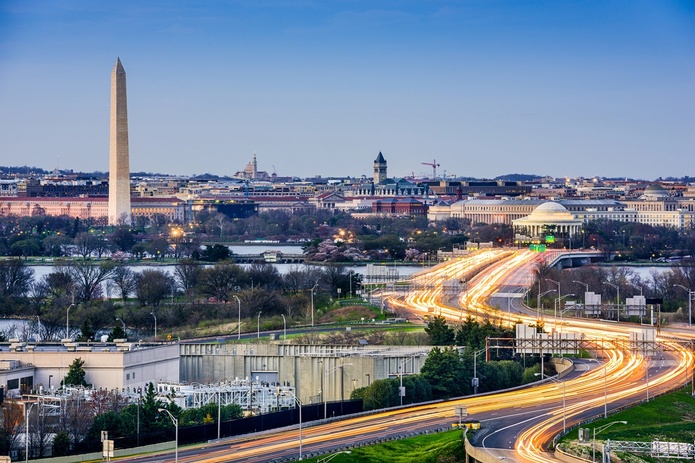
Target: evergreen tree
444 371
76 374
439 332
61 444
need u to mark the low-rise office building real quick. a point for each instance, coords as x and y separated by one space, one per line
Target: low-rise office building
26 367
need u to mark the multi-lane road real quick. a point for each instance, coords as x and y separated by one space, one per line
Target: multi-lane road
516 424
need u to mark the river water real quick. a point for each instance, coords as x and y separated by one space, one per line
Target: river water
16 327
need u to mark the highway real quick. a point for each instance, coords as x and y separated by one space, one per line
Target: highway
517 424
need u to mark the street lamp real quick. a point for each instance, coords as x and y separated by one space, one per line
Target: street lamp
598 430
239 323
690 303
617 288
540 295
312 303
564 405
558 285
219 411
284 327
155 325
350 275
323 388
67 321
26 430
474 380
299 403
124 329
258 325
176 424
38 328
586 285
557 307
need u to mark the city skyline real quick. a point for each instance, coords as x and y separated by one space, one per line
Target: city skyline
485 88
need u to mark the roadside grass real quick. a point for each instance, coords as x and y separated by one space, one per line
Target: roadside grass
669 418
431 448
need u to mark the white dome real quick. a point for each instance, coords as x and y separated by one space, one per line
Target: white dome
550 208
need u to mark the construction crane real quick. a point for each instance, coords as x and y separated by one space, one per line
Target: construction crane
434 168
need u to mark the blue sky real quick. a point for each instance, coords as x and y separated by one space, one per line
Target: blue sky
562 88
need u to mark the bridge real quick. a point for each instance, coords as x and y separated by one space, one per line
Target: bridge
268 257
569 259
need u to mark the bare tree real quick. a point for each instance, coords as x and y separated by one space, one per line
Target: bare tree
124 279
15 278
76 417
89 278
85 243
40 431
187 273
11 424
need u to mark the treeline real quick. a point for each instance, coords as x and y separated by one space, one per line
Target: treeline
190 295
377 238
449 371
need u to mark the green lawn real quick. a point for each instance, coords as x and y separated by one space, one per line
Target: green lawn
432 448
667 418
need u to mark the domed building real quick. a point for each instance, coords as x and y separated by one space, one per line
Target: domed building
654 192
548 216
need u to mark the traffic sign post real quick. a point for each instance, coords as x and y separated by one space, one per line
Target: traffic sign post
461 411
107 449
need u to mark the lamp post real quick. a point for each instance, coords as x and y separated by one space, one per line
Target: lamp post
124 328
564 403
38 328
312 303
557 304
690 303
155 325
258 326
540 295
617 288
474 380
605 391
176 425
67 321
239 322
219 411
323 388
586 285
350 275
284 328
401 391
598 430
26 431
559 294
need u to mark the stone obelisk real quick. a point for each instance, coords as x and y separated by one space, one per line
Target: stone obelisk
119 157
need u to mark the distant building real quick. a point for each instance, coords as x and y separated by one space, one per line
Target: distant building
407 207
92 208
232 208
548 217
251 172
493 188
379 169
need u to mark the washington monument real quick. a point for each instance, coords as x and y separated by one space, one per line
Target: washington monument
119 158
